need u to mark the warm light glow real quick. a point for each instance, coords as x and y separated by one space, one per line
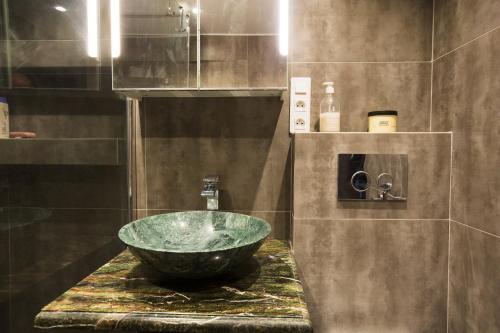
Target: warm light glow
195 11
115 28
92 29
283 27
60 9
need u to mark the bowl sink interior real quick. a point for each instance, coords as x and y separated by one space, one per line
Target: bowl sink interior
199 231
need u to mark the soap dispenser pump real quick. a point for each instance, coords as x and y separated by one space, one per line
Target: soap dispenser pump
329 118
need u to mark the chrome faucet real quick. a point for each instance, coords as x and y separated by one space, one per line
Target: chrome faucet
211 191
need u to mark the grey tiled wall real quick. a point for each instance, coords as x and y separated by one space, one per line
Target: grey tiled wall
59 213
466 100
374 275
377 52
315 175
244 140
370 267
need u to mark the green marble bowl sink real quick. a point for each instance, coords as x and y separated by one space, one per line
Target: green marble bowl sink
196 244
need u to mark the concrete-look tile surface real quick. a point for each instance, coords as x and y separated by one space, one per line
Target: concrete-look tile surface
466 101
362 87
374 276
456 22
68 117
367 30
90 187
245 141
474 281
316 169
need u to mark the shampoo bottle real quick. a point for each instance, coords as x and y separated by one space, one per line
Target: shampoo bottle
329 118
4 118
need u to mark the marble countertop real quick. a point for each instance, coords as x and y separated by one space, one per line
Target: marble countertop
263 295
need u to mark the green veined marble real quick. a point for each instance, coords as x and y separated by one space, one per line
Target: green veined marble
195 244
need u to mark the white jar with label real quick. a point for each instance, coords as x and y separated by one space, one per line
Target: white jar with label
4 118
385 121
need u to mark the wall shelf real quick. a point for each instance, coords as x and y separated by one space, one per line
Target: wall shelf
248 92
367 133
70 151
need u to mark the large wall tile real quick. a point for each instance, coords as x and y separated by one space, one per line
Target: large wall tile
27 303
459 21
245 141
239 17
374 276
153 62
367 30
62 152
68 117
4 253
466 101
266 66
68 187
250 179
224 61
56 237
315 175
4 186
474 281
367 87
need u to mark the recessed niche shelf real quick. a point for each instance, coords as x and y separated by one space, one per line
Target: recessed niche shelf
71 151
369 133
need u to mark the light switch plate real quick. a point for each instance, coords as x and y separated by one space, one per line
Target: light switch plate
300 105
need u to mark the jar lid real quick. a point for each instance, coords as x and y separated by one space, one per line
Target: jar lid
383 113
3 100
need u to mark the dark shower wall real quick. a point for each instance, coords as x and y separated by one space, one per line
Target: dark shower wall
63 196
60 213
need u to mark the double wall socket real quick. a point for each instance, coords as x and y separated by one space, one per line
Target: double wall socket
300 105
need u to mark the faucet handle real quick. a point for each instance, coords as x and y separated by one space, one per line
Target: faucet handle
213 179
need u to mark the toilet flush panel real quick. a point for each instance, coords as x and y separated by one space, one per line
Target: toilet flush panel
372 177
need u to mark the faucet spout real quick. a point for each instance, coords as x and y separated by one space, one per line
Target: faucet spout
210 191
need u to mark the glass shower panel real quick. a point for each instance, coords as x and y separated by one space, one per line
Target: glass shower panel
50 44
157 45
239 44
63 194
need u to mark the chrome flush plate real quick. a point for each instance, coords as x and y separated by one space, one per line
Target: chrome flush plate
372 177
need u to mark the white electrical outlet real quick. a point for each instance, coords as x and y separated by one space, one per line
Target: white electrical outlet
300 105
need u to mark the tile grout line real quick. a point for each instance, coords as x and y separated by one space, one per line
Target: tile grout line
145 150
432 63
363 219
66 208
360 62
449 234
448 282
117 144
476 229
369 133
222 210
467 43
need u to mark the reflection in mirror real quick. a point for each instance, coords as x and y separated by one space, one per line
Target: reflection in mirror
152 45
243 44
49 44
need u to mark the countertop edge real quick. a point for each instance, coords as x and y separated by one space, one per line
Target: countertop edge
172 323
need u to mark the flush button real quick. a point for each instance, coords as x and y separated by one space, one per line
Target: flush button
360 181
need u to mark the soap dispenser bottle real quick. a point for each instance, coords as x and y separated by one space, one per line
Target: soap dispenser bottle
329 118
